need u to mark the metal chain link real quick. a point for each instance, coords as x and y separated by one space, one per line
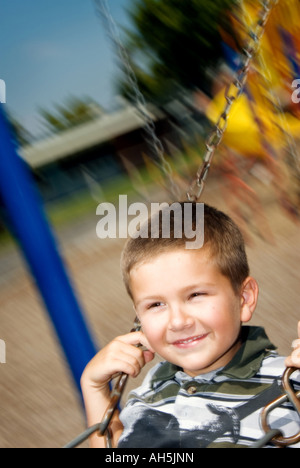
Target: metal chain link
154 142
102 429
274 436
290 395
232 93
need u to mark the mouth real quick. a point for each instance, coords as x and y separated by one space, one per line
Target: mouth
189 342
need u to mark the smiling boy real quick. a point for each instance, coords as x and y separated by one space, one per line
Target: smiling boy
216 375
197 315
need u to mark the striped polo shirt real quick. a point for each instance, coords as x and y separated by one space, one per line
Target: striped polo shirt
215 410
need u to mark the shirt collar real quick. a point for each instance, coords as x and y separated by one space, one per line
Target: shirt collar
245 364
247 361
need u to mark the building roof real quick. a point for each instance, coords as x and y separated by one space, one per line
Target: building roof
83 137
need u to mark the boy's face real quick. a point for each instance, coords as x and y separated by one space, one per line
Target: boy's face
188 310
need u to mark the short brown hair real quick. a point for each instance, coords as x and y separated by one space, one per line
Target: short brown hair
221 236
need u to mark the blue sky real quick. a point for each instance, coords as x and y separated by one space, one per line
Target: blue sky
51 49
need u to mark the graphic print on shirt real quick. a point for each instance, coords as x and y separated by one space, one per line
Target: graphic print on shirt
153 428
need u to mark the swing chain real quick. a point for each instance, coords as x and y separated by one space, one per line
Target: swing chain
102 429
102 9
274 436
232 93
116 396
290 395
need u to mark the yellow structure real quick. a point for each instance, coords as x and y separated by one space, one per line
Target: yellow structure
256 119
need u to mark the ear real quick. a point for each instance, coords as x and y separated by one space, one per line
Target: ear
249 297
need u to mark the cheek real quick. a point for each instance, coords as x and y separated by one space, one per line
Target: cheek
224 316
154 332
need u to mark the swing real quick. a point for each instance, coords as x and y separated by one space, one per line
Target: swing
194 193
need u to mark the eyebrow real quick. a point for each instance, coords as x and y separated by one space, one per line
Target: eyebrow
198 286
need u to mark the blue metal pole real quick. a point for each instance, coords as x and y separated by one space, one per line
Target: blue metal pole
29 225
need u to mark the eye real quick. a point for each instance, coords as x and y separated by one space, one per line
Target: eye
197 294
155 305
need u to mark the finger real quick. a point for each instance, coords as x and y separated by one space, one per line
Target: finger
296 344
291 362
127 367
135 339
130 354
139 339
114 358
294 359
148 356
143 341
288 362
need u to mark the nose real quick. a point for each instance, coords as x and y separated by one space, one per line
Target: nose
179 319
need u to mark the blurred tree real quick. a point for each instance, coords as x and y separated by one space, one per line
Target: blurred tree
175 43
21 135
74 112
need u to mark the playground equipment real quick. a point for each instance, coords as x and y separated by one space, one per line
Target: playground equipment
221 120
32 231
265 111
30 228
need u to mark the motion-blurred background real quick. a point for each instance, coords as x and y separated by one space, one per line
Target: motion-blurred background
72 104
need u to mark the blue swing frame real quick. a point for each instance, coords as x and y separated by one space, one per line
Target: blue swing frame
28 224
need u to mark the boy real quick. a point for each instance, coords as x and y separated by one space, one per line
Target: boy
216 375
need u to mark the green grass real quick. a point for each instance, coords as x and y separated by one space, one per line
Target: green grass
80 205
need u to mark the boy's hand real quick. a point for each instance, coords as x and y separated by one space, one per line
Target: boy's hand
294 359
121 355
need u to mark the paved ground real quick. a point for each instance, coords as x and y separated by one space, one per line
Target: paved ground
39 405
